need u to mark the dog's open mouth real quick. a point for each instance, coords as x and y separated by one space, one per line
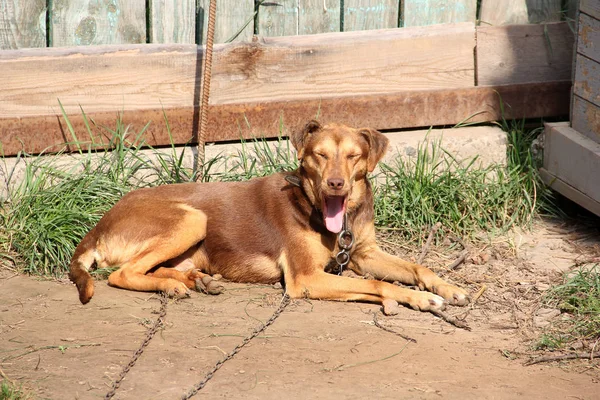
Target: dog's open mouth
334 208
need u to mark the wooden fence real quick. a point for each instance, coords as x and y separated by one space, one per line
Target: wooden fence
57 23
417 76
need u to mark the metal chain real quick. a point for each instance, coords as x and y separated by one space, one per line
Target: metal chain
149 335
345 241
284 302
160 322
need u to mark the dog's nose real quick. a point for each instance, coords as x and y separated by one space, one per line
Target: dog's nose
335 183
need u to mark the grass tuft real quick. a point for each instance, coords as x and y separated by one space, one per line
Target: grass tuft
57 202
578 297
52 209
466 198
9 391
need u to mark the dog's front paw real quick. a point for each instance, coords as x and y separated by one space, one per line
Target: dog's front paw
452 294
425 301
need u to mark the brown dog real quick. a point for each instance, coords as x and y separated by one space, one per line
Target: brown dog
281 228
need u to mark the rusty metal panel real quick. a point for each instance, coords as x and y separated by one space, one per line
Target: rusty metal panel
279 118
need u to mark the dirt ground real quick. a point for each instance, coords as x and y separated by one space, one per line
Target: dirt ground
57 348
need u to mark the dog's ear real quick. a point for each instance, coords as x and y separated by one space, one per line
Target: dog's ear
300 137
378 145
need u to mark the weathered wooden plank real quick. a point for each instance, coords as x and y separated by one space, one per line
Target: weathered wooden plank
570 192
318 16
503 12
370 14
22 24
587 79
573 158
108 78
172 21
508 12
541 11
590 7
278 18
232 16
524 53
430 12
90 22
589 37
406 109
585 118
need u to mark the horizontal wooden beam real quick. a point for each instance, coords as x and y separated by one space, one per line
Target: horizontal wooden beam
278 118
150 76
570 192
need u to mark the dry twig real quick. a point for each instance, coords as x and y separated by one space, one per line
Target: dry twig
478 294
377 324
451 320
3 375
458 261
434 229
455 238
359 364
61 348
572 356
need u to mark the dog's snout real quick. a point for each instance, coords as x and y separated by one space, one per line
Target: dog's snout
335 183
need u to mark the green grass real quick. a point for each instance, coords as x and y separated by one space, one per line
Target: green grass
465 198
8 391
48 213
578 297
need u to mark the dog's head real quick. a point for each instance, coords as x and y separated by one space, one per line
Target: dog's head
333 158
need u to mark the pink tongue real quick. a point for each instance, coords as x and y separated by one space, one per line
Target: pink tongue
334 213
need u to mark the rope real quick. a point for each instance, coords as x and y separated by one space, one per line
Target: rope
206 75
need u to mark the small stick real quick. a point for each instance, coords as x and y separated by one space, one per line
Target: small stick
458 261
561 357
451 320
344 367
214 348
434 229
3 375
457 239
587 261
62 348
377 324
478 294
473 301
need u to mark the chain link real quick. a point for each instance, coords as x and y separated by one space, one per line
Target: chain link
345 241
284 302
149 335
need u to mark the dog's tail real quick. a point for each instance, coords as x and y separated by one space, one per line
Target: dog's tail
82 261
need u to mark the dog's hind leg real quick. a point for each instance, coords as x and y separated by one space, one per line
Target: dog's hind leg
193 279
188 268
133 273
